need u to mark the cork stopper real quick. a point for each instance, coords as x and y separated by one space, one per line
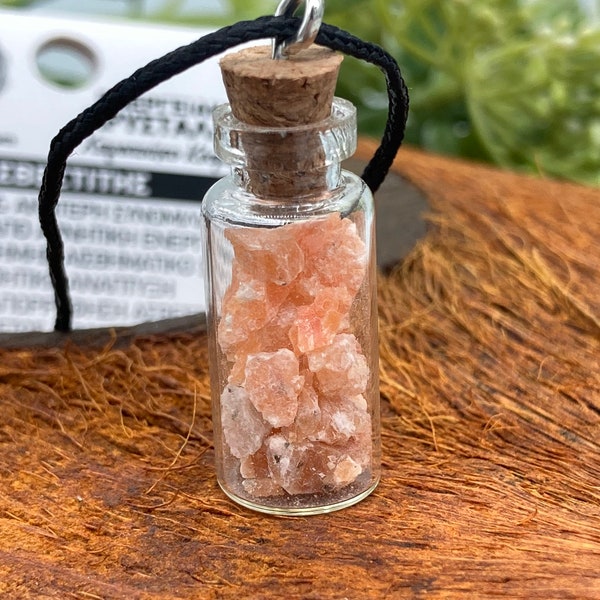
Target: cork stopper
281 93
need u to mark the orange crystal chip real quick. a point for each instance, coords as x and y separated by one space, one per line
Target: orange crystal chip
342 471
340 368
244 311
273 384
270 338
271 255
317 324
334 251
308 421
341 421
248 305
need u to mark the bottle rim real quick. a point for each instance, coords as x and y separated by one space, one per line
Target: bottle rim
235 141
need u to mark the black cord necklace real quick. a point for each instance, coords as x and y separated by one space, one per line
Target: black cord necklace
174 63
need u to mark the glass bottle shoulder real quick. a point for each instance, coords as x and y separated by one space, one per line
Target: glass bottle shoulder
229 203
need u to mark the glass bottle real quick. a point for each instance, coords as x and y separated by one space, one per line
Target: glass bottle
292 317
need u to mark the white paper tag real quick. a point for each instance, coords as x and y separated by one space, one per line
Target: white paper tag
130 207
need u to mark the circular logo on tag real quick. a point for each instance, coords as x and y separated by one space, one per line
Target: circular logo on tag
66 63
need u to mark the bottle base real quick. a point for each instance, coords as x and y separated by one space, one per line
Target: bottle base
298 506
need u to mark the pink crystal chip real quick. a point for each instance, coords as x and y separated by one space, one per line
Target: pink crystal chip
297 468
341 367
310 467
294 411
243 426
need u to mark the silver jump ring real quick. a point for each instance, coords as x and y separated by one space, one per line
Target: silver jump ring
309 28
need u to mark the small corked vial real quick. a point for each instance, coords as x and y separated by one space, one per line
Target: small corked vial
291 296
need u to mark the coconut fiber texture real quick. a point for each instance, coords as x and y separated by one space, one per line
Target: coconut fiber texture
490 382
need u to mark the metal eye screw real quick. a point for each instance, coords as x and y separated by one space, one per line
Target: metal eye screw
306 34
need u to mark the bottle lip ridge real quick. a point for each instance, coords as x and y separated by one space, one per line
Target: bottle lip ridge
235 141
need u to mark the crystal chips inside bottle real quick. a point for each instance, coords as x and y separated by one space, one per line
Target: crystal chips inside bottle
292 317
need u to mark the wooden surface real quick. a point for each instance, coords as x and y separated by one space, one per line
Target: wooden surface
490 381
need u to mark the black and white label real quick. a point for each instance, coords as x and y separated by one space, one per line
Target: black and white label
132 255
129 211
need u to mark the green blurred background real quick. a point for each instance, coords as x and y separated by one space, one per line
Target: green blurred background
512 82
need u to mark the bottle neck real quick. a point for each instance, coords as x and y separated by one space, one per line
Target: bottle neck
289 162
317 183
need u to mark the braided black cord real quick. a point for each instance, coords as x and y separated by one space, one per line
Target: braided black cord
177 61
336 39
